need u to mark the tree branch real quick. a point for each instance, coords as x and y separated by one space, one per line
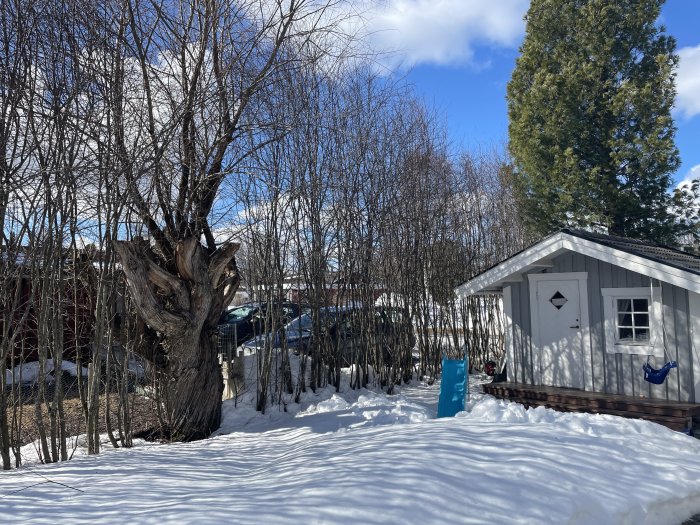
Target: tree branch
220 260
135 265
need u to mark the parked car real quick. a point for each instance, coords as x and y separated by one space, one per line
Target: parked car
242 323
297 333
351 339
344 332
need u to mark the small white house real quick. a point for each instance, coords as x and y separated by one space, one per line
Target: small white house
586 311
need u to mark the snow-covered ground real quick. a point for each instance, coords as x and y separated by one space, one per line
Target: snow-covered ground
365 457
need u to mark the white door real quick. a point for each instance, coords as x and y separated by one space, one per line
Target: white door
560 341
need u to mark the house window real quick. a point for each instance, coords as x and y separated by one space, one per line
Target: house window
632 320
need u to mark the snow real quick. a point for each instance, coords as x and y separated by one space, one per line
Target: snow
366 457
29 372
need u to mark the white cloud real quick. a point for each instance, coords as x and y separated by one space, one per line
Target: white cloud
692 175
441 31
688 83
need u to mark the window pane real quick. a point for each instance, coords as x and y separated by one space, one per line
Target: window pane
625 334
641 320
641 305
624 319
624 305
642 334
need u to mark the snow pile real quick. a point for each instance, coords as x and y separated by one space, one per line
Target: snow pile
365 457
29 372
330 411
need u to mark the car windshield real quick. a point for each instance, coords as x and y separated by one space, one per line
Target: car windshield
237 314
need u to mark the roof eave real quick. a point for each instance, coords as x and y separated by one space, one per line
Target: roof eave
511 270
538 255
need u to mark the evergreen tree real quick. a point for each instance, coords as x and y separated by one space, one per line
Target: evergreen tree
590 128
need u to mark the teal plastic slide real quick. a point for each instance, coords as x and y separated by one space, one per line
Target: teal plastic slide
453 387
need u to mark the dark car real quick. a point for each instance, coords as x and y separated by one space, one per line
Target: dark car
347 333
297 333
242 323
359 331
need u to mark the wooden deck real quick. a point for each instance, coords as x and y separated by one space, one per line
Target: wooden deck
684 417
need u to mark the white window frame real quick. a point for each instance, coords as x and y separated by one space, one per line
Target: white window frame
653 295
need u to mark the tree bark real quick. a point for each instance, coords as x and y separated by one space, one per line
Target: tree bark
183 304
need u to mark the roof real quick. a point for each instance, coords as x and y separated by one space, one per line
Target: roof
654 260
656 252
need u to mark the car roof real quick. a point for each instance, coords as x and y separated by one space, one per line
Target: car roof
258 304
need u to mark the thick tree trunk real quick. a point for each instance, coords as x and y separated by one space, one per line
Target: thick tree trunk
183 306
194 393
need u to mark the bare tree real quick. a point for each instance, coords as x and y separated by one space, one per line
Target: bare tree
16 28
202 68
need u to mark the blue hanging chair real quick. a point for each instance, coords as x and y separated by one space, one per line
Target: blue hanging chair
651 374
657 376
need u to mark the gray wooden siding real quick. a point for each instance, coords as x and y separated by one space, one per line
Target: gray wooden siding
612 373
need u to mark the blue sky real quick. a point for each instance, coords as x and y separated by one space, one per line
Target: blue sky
460 55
